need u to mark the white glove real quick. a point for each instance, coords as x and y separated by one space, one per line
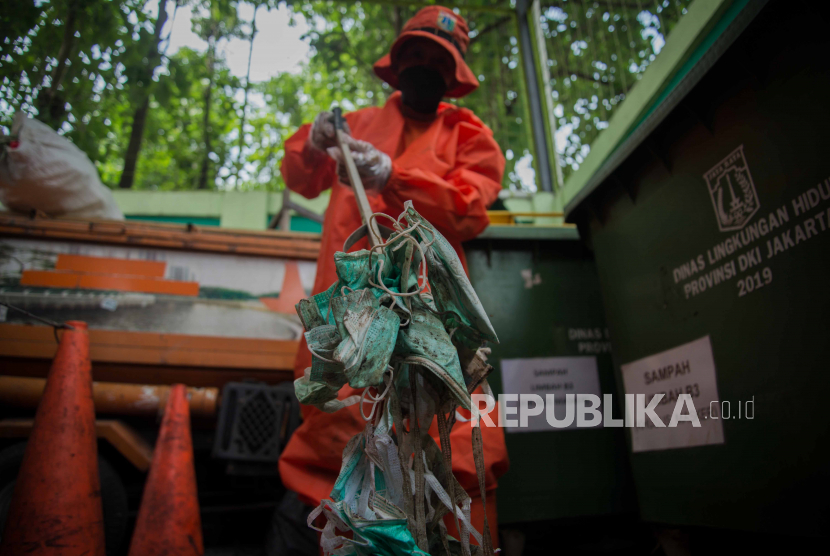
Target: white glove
322 135
373 166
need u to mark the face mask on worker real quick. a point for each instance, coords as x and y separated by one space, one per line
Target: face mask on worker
422 88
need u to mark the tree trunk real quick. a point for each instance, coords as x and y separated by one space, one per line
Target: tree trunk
501 93
66 46
134 146
245 101
397 19
50 106
203 173
140 115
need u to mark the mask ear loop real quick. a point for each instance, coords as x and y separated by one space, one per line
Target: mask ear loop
375 399
422 287
382 286
408 235
403 216
423 265
381 245
318 356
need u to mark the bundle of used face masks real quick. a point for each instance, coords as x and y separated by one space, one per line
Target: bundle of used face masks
402 320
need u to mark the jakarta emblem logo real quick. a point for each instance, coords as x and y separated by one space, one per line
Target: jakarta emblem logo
446 22
732 190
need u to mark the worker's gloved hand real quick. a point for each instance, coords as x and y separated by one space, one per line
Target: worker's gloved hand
322 134
373 166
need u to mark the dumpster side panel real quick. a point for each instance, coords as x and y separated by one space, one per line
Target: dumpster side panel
561 473
767 322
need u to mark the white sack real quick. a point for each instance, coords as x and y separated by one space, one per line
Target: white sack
48 173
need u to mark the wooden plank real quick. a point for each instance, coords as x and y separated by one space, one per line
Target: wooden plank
147 356
124 439
109 265
114 398
154 339
127 441
293 251
151 374
296 245
154 348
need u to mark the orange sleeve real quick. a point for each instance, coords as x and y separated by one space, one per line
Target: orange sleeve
457 202
305 169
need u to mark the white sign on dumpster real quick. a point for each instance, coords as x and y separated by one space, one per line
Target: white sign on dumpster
687 369
549 375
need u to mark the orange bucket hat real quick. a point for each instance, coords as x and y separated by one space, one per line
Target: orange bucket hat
449 30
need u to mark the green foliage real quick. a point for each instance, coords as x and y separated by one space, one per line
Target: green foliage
173 148
92 38
500 100
597 51
86 66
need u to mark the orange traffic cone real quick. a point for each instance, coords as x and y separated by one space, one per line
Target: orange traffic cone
56 505
168 520
290 294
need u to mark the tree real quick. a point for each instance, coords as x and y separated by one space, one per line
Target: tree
50 104
94 70
66 68
142 82
598 50
172 152
269 128
219 21
267 4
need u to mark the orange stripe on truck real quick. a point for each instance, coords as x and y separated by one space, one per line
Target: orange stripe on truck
50 279
70 279
105 265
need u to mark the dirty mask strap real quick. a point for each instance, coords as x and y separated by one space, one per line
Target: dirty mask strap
403 458
478 456
362 232
446 450
420 517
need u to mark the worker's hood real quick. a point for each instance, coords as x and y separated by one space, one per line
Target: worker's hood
441 25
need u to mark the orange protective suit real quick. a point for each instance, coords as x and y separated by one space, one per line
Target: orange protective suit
451 169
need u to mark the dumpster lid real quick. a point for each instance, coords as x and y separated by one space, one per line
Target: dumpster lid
696 43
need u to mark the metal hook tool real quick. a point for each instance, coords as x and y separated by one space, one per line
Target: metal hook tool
363 206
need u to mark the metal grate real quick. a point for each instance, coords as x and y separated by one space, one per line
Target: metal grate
255 421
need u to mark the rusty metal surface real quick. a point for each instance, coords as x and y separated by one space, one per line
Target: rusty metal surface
111 397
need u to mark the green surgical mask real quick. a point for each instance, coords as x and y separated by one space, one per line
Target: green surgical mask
451 289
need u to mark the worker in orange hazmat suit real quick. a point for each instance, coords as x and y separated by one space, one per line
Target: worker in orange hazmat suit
417 148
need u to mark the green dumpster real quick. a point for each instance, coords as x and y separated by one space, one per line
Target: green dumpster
541 292
710 225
